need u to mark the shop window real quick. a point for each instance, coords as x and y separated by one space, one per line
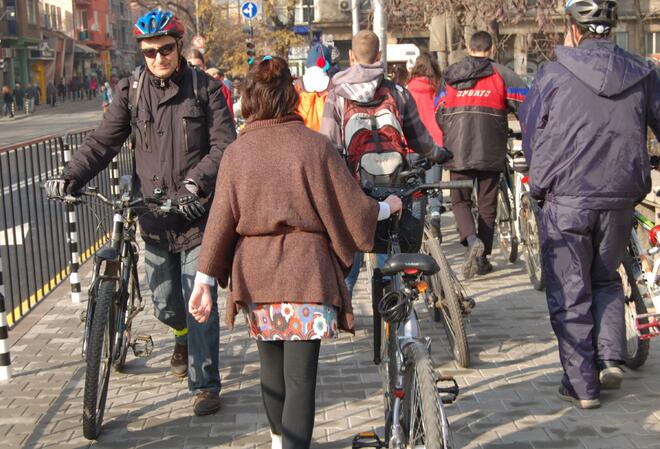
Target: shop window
32 12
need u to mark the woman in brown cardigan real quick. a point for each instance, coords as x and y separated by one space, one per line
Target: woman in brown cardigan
286 221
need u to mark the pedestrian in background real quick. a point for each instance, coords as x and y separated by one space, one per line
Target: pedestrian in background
312 87
19 97
286 252
473 115
61 90
219 76
8 102
51 94
94 86
424 85
399 74
589 165
30 98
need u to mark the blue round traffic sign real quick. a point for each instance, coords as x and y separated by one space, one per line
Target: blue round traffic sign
249 10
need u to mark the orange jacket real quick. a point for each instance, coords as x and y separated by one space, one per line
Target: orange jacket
310 107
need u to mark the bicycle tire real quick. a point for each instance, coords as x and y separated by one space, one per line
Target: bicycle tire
99 347
424 417
447 290
506 232
388 374
637 350
532 247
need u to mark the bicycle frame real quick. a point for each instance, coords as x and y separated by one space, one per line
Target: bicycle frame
651 276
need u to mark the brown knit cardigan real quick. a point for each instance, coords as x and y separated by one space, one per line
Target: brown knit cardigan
286 220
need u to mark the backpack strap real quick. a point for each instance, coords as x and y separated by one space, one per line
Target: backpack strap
135 89
195 82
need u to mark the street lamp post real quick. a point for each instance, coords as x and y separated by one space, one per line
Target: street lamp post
10 12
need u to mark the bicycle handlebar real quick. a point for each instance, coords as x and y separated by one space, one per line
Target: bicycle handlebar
165 204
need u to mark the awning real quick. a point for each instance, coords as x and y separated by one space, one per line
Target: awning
84 49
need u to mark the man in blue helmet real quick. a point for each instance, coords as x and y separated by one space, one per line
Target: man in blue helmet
584 126
179 125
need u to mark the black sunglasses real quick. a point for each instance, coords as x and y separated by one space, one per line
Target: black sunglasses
165 50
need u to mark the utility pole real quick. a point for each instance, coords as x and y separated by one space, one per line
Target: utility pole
197 17
380 27
355 14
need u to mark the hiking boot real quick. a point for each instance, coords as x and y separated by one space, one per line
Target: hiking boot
564 395
484 266
609 374
206 403
474 251
179 360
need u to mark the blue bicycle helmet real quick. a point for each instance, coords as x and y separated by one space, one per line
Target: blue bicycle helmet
158 23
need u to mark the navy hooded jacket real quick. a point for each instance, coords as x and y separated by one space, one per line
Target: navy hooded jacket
585 124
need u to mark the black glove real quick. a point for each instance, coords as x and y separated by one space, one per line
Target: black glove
190 206
440 155
56 187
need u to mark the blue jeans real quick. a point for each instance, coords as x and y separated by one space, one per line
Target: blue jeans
352 277
171 278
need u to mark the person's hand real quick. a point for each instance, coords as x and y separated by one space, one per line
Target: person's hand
440 155
190 206
395 203
55 188
200 302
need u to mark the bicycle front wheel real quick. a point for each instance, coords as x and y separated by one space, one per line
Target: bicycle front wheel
98 359
506 232
423 415
530 229
447 295
634 287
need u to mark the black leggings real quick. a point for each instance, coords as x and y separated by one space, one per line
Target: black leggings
288 388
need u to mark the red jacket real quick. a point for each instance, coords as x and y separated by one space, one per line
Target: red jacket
424 92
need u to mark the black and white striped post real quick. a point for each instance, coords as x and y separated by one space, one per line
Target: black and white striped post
5 359
114 177
72 229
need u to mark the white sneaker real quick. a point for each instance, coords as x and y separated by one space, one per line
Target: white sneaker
276 441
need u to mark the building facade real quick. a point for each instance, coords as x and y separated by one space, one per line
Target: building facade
94 38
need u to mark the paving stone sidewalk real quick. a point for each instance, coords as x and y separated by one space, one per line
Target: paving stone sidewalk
507 396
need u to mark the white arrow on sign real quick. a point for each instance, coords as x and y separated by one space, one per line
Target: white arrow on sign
249 10
14 236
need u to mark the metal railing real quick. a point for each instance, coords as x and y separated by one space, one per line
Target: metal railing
42 241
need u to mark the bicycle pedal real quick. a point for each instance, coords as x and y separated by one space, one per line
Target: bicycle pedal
367 439
448 395
83 316
142 346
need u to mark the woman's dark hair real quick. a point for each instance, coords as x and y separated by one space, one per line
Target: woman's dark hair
268 91
400 75
427 66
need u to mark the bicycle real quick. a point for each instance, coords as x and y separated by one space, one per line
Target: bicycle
446 299
642 292
415 416
516 219
114 300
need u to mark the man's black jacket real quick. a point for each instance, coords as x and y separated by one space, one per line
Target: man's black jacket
178 138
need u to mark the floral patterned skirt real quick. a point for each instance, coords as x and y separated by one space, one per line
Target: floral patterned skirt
292 321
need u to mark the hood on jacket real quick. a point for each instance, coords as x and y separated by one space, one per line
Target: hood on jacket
465 73
422 85
603 66
359 82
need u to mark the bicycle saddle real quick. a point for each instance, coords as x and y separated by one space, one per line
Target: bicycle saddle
400 262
